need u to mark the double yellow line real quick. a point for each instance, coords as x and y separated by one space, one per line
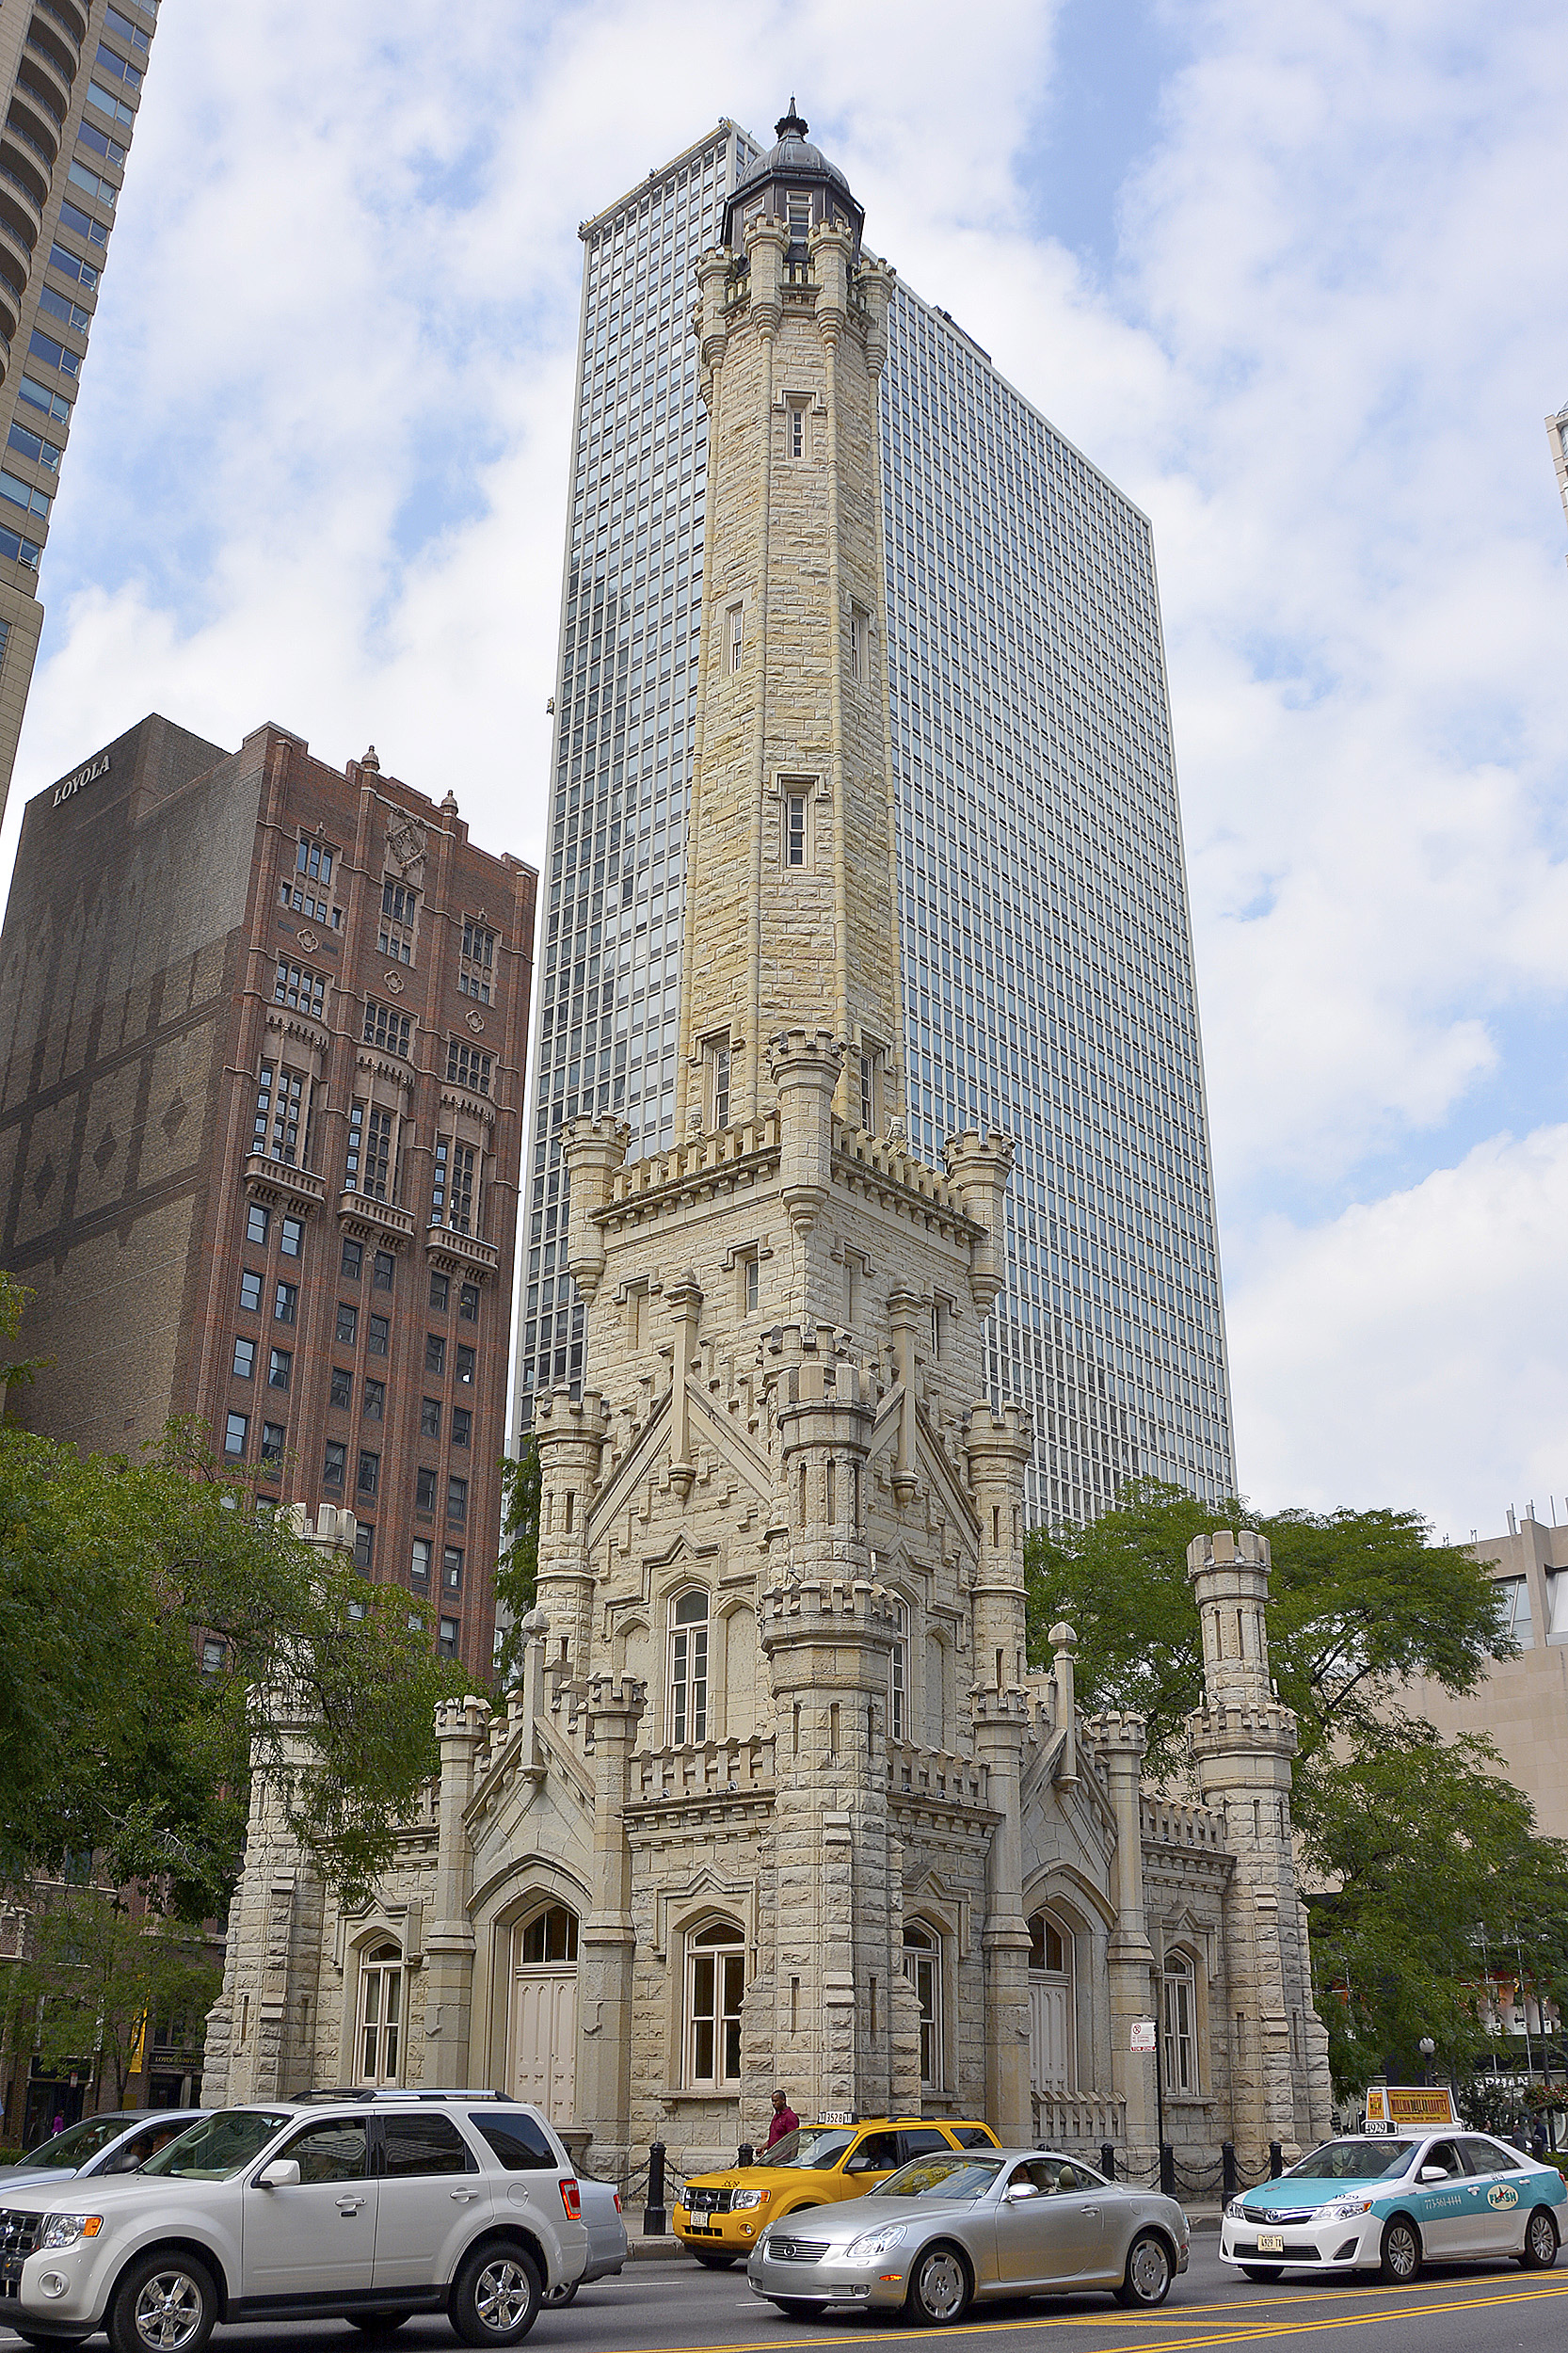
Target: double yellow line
1256 2322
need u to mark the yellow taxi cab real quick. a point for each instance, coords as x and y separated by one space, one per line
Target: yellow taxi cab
722 2214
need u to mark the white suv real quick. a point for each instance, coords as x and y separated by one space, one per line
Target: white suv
362 2208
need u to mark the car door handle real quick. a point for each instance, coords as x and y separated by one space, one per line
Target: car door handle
347 2206
463 2196
1090 2212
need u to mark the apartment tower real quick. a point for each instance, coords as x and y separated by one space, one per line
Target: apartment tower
262 1033
73 73
1045 978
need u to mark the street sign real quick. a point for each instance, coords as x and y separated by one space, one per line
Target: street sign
1142 2033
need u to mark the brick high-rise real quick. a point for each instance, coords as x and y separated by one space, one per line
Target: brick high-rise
73 73
261 1035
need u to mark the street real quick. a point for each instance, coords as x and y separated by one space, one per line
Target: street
667 2307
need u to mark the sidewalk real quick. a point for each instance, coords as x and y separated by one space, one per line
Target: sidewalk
641 2249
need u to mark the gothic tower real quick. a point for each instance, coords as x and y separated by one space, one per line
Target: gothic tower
790 914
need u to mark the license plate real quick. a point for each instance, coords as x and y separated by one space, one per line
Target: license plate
1270 2243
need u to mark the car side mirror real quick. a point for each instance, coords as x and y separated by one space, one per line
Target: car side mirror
282 2173
1021 2190
1434 2173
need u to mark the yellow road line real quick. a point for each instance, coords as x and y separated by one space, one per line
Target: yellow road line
1220 2331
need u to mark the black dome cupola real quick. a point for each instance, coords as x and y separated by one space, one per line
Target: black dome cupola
793 182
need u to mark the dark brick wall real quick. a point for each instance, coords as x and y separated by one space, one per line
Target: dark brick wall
137 1006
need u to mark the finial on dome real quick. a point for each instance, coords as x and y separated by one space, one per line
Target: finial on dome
791 122
371 761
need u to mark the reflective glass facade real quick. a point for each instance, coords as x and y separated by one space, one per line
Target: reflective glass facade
608 953
1042 915
1043 908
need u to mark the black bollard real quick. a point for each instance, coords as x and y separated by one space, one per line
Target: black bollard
745 2155
1276 2160
1108 2160
655 2220
1167 2168
1228 2168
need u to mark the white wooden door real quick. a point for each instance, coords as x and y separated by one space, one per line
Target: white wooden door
1050 2033
544 2040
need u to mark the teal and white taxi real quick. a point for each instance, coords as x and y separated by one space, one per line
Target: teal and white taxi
1392 2203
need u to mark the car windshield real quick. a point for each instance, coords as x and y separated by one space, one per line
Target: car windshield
807 2147
83 2140
948 2176
219 2145
1354 2161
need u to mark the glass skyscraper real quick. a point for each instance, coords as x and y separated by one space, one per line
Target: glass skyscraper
73 69
1043 909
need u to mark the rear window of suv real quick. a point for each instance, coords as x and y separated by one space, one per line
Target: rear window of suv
523 2146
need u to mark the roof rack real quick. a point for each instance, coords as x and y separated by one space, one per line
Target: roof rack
365 2095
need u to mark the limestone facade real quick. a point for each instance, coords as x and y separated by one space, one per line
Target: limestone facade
780 1799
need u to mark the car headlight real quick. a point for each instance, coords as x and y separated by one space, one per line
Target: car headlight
743 2197
1233 2212
874 2243
64 2229
1344 2209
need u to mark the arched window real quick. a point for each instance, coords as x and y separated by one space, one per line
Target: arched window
716 1985
898 1676
553 1936
1052 2024
380 2013
688 1710
1181 2036
923 1966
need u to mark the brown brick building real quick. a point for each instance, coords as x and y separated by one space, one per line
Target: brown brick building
262 1028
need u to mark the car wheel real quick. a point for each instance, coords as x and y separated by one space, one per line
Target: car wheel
711 2262
166 2303
1401 2253
939 2287
557 2298
1268 2273
1149 2272
377 2324
496 2295
1540 2241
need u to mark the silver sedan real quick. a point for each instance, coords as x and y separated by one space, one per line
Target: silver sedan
974 2225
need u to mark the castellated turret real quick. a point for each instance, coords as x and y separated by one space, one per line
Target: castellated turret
782 1800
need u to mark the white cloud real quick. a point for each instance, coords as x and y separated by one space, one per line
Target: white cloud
1408 1351
320 469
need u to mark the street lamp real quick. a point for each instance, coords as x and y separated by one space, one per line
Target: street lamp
1427 2048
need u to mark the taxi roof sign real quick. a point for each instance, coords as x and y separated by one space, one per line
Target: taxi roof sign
1396 2107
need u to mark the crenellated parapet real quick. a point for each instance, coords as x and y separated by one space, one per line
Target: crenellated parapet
977 1168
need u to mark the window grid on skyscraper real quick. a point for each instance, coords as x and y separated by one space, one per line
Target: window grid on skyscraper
1043 917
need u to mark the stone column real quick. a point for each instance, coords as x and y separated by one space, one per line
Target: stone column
571 1435
607 1943
831 1964
1119 1741
1241 1742
462 1727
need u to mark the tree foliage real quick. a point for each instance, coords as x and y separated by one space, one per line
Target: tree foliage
1359 1603
97 1982
153 1624
1416 1855
517 1573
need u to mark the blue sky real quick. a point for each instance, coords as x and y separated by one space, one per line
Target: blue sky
1297 278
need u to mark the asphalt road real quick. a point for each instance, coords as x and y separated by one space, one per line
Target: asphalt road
675 2308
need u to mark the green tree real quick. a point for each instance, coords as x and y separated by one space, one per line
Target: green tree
1359 1602
154 1626
97 1982
1414 1850
517 1571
